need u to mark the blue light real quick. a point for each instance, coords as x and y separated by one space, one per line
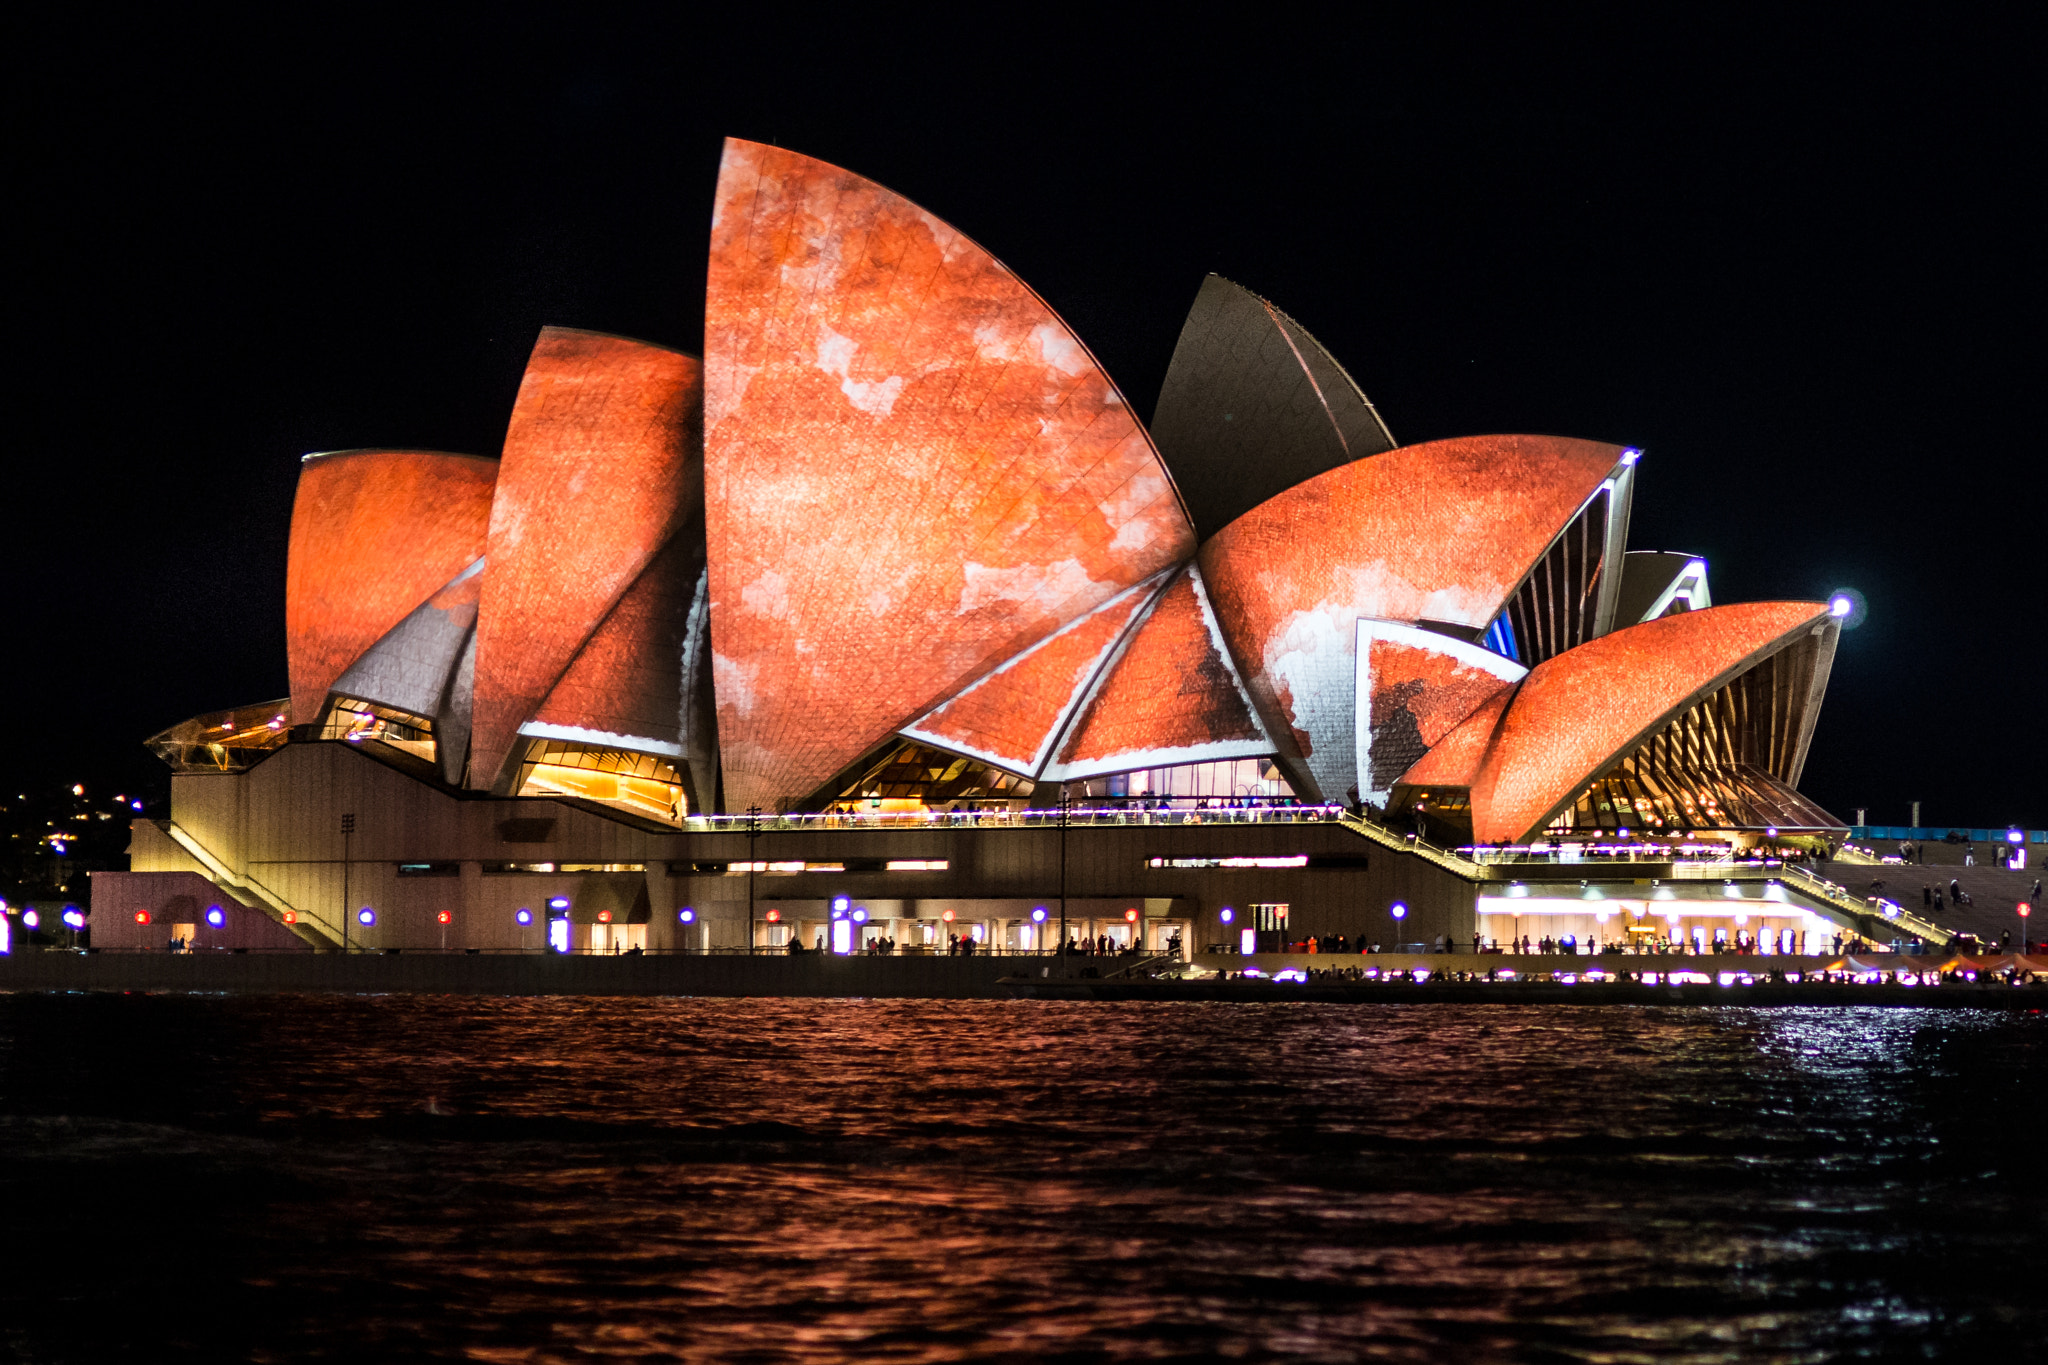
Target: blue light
687 915
1399 911
1038 915
1500 638
30 919
135 805
558 902
73 918
1228 914
525 916
860 916
215 916
366 916
1631 455
839 904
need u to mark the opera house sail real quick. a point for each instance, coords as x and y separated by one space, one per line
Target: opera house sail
896 545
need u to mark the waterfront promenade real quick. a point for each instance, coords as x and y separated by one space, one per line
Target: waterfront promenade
1271 976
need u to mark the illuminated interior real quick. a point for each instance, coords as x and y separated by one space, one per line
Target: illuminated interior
358 722
913 776
641 783
1228 779
224 741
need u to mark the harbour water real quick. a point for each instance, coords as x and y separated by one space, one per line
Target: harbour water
401 1177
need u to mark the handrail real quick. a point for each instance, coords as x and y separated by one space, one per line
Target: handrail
1035 818
311 928
1409 843
1843 899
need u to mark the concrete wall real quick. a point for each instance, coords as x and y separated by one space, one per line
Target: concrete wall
280 823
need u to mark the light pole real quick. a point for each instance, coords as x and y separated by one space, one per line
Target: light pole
2025 910
348 835
1063 871
753 862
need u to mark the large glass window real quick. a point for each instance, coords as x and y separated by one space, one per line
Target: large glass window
641 783
224 741
363 722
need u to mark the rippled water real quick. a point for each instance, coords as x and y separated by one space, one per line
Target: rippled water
402 1178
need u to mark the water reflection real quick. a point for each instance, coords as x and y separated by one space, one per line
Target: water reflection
420 1178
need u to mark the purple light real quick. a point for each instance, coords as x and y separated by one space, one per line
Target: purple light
215 916
366 916
687 915
525 916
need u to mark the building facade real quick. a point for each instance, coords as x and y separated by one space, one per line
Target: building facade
890 603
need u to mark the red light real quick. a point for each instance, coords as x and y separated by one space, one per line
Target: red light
142 916
947 917
444 917
2025 909
774 916
291 917
604 917
1131 915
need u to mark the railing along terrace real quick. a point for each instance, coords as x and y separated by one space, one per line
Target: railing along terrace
1035 818
1571 852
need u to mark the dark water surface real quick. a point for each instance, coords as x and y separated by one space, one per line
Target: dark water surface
410 1178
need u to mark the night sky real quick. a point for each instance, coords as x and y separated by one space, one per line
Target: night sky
1798 268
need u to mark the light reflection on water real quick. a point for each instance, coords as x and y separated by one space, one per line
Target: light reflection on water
407 1178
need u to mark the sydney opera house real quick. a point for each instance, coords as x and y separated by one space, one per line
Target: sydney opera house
890 603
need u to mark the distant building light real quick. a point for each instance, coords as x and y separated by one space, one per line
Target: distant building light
558 935
1631 455
73 918
30 919
78 789
917 865
1841 606
135 805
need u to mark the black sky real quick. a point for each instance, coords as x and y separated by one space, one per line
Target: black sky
1798 267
